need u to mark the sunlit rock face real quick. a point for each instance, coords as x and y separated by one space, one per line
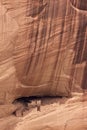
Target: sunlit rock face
43 47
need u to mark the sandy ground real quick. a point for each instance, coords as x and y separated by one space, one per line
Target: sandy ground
55 114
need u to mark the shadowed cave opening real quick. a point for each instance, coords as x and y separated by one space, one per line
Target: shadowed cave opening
27 104
31 98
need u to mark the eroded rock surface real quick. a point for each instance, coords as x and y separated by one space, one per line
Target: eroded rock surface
55 114
43 48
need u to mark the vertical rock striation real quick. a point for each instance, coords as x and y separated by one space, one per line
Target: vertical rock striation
43 45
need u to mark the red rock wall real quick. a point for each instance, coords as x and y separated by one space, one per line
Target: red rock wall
44 45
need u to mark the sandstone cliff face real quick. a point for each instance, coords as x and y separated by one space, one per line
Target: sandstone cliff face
43 46
43 51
